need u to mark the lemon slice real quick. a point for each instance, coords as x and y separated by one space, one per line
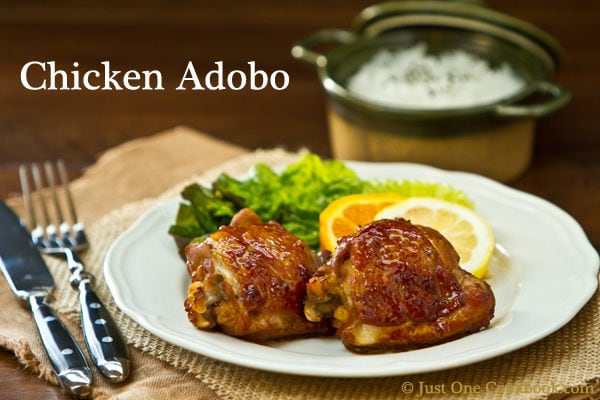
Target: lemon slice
344 215
467 231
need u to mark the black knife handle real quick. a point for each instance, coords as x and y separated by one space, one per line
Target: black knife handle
102 337
64 353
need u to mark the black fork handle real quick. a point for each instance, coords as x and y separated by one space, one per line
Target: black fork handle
103 339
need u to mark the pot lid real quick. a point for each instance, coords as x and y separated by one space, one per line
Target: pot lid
470 15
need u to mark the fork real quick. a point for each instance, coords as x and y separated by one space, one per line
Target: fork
102 337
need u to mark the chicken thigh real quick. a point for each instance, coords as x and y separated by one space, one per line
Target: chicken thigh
249 280
394 286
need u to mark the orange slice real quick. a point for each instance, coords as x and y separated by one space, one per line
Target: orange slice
344 215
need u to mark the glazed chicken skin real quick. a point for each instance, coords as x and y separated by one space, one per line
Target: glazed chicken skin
249 280
394 286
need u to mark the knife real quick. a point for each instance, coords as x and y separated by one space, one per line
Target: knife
29 278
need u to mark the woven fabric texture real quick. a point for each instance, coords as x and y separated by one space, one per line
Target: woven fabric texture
567 360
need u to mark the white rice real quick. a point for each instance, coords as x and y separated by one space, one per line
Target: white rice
410 78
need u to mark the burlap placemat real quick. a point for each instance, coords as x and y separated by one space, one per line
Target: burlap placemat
567 361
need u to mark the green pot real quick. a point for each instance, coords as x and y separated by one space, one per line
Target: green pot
494 139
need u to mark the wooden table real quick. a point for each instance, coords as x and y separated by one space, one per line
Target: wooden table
78 125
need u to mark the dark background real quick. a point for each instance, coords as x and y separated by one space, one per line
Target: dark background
165 35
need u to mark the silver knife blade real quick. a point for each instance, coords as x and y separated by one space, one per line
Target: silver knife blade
29 277
20 260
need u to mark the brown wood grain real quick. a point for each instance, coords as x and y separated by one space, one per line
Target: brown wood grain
77 126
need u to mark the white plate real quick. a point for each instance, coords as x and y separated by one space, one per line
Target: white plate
542 272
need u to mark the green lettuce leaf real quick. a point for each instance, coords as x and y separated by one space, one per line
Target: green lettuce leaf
295 197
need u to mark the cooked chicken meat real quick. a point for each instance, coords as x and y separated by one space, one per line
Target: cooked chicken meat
395 286
249 280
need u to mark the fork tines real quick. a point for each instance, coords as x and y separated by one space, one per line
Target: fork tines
43 221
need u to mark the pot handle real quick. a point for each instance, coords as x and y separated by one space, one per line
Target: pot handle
560 97
304 49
